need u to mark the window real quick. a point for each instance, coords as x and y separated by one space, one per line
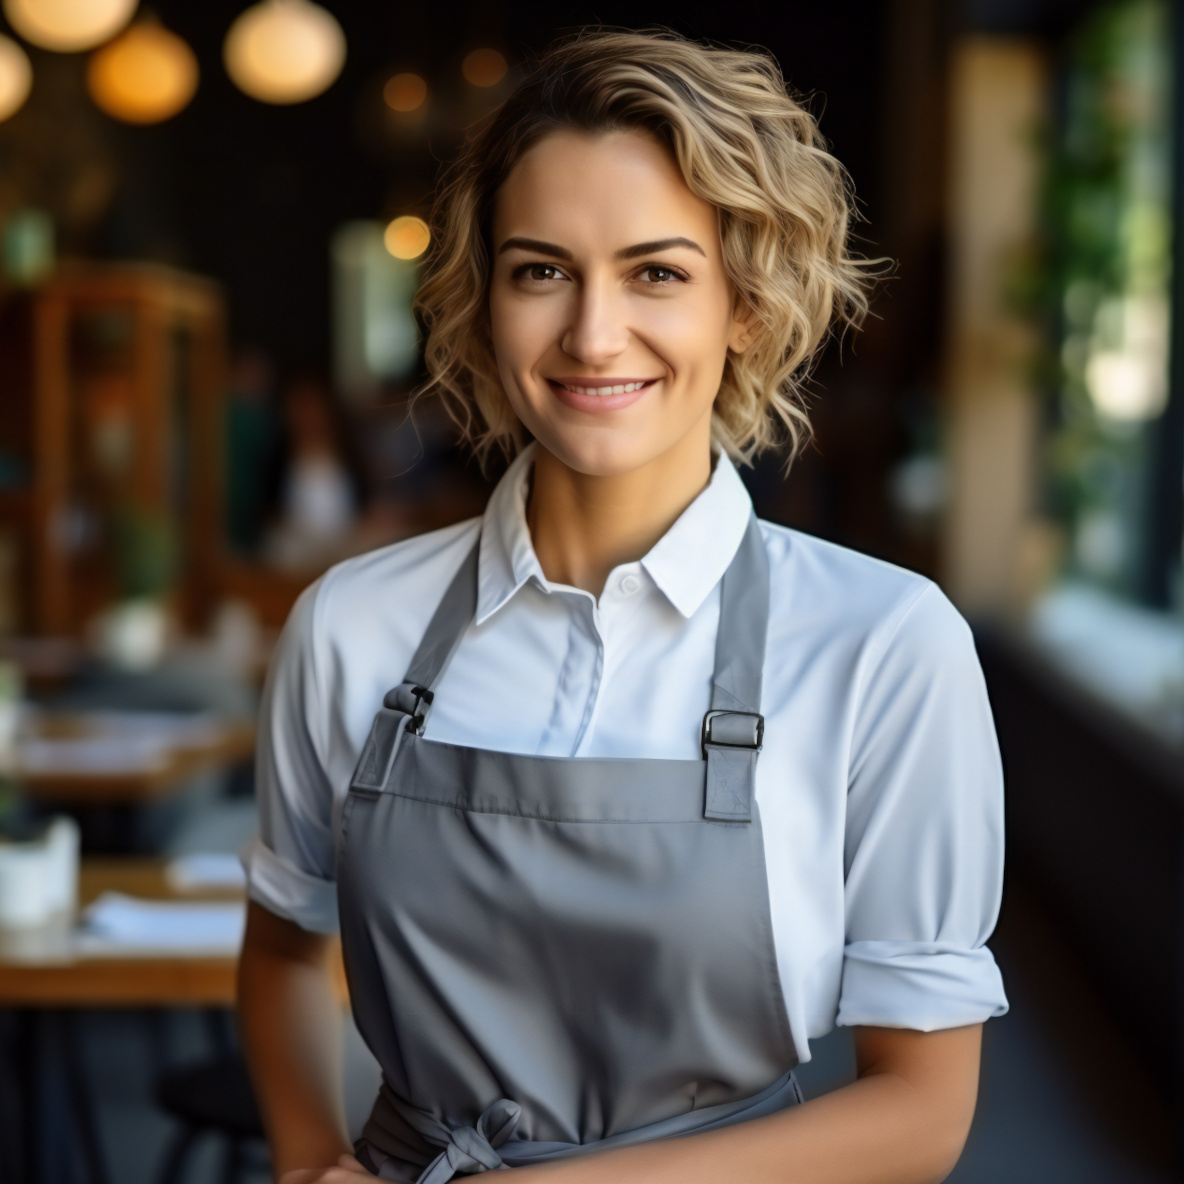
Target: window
1116 438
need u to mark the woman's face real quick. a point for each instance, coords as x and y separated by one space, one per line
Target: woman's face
610 308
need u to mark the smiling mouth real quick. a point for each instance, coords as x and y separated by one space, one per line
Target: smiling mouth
603 390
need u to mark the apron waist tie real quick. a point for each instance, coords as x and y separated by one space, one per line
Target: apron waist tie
398 1138
466 1150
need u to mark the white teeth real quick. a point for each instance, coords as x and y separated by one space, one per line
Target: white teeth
601 391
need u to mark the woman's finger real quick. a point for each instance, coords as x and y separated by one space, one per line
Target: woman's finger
346 1168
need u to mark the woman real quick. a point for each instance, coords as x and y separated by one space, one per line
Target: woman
663 792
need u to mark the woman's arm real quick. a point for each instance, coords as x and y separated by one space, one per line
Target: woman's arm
904 1121
291 1029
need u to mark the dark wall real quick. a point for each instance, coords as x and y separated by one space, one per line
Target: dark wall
1048 18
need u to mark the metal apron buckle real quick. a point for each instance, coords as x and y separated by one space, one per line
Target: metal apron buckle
731 741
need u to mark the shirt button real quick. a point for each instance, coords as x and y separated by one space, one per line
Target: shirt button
629 585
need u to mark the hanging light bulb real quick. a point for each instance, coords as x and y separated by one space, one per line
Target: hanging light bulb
484 67
68 26
407 237
16 77
144 76
405 92
284 51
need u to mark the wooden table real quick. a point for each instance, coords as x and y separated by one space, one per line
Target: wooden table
45 982
156 765
40 969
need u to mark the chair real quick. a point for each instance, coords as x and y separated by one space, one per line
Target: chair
211 1097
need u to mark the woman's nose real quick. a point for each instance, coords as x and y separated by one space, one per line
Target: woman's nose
597 331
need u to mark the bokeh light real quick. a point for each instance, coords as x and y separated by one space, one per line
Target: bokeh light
145 75
407 237
284 51
16 77
405 92
68 26
484 67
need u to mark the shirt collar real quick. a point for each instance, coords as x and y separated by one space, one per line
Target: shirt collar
507 559
686 563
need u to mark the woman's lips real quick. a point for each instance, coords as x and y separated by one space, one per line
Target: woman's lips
618 393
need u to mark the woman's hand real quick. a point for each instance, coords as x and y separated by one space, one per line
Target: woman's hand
347 1171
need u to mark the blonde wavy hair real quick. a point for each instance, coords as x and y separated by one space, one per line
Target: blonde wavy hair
742 143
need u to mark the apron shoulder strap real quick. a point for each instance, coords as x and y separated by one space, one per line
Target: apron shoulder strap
743 626
734 729
440 640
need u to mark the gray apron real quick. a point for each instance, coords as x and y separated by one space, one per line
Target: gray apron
552 955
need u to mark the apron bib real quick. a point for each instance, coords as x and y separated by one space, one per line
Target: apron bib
551 955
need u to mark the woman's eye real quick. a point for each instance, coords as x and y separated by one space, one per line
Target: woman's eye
538 272
660 275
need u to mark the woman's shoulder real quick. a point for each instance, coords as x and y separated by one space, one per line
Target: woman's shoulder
407 577
428 558
839 592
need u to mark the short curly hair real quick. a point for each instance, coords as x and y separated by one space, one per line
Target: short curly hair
742 142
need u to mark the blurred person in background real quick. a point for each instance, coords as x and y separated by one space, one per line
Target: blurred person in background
664 792
317 487
252 433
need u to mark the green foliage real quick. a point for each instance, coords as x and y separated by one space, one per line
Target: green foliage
9 803
145 553
1107 230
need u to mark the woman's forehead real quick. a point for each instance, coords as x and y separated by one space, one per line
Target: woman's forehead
604 190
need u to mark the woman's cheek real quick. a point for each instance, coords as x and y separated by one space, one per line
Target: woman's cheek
523 332
682 329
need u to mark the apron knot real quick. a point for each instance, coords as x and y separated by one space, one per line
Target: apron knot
469 1149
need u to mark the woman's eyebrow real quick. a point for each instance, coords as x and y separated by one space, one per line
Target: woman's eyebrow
661 244
558 252
534 244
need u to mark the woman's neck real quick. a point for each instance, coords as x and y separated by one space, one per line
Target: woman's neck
583 526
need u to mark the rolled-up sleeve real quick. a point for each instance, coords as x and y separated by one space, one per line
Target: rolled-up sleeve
290 866
924 831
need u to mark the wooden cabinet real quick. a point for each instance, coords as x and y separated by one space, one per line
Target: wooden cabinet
111 386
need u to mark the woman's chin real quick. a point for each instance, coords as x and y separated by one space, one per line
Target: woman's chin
598 453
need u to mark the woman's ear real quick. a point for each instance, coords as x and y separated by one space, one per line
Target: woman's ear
742 331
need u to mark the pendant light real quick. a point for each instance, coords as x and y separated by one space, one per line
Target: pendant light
484 67
284 51
68 26
405 92
16 77
145 75
407 237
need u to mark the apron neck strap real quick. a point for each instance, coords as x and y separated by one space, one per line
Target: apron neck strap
447 626
734 729
743 626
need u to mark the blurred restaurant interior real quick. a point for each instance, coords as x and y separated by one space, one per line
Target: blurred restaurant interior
210 221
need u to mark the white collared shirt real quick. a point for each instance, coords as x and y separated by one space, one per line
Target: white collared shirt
879 785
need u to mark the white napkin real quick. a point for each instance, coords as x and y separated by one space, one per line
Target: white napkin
206 869
116 923
92 754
